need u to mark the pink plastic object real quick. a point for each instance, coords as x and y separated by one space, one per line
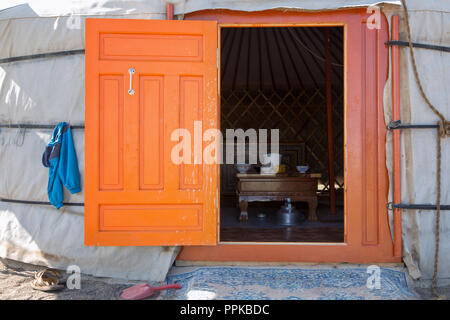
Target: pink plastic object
143 290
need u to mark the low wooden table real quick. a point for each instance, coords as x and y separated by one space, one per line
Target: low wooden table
277 187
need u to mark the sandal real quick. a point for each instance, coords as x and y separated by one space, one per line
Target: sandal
47 280
62 278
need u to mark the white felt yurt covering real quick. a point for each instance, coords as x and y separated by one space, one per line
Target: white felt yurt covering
51 90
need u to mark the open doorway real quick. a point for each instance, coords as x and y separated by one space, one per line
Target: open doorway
291 79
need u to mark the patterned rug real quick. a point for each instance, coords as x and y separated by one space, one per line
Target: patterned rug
266 283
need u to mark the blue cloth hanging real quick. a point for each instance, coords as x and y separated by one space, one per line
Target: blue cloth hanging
61 159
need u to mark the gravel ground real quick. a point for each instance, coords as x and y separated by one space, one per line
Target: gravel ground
15 278
425 293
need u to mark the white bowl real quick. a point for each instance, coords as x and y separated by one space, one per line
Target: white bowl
243 168
302 169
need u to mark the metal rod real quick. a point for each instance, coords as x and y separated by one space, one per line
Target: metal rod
399 125
396 139
417 45
414 206
42 55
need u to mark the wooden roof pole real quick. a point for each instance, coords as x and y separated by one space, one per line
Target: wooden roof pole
332 189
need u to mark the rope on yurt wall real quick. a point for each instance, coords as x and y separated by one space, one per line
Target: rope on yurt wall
24 126
417 45
42 55
397 124
72 204
35 126
443 131
416 206
75 204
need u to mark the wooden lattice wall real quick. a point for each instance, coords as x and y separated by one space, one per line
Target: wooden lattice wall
300 115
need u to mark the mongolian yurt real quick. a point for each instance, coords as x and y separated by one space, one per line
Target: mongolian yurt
357 90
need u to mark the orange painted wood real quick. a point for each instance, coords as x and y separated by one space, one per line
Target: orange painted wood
370 132
134 194
169 11
151 173
396 139
367 234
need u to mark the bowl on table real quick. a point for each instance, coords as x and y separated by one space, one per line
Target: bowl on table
243 168
302 169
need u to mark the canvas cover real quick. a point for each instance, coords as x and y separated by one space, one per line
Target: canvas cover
430 24
50 90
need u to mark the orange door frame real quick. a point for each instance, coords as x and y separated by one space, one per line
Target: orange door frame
367 236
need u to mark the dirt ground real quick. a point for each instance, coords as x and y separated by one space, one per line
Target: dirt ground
15 278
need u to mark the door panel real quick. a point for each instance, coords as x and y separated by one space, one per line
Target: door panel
190 113
153 47
111 132
151 133
135 194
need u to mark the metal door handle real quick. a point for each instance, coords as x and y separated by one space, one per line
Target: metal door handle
131 90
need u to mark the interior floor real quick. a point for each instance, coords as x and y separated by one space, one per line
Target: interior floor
328 228
287 234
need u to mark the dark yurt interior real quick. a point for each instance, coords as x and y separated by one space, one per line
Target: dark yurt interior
291 79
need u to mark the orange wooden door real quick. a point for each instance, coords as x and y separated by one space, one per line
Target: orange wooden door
134 193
